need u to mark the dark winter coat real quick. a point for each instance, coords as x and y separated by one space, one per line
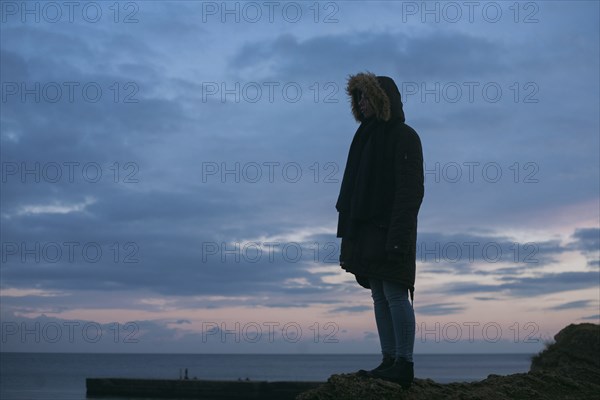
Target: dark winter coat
382 188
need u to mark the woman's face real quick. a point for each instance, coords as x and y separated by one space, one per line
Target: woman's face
364 105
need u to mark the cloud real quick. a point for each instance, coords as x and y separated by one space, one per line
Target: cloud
287 55
592 317
594 263
528 286
572 304
167 229
127 259
56 208
351 309
440 309
587 240
467 252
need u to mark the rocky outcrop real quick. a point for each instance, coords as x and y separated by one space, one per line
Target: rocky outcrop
566 369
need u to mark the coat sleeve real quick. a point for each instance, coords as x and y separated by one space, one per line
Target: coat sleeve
408 194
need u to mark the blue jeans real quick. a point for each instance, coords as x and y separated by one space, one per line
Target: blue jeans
395 318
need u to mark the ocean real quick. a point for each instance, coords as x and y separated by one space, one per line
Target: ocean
61 376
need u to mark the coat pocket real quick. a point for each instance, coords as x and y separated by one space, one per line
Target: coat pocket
346 247
373 242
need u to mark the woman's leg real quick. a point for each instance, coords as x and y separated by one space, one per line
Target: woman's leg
403 322
383 318
403 319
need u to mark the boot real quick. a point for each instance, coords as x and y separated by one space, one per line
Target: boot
387 362
402 372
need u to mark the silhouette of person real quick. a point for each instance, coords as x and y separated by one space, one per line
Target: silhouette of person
380 197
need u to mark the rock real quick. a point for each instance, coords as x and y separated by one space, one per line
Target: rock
575 347
566 369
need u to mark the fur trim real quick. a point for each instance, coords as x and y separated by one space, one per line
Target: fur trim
367 82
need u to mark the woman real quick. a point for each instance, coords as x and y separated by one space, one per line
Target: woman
380 196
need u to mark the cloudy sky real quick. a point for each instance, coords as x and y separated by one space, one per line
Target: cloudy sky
170 172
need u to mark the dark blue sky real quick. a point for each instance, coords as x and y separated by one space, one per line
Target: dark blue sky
178 163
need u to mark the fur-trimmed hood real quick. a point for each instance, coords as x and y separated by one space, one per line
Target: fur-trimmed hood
382 93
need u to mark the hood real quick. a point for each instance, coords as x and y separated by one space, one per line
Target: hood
382 92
